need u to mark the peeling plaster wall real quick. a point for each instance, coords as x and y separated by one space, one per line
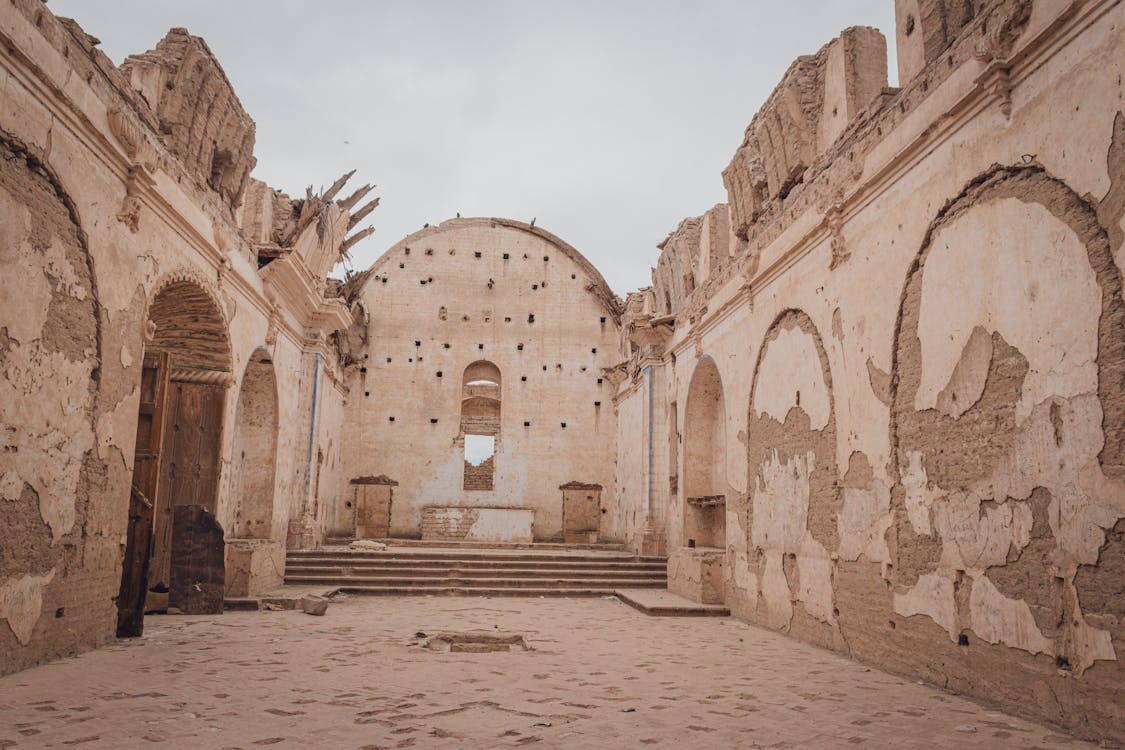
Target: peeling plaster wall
947 497
50 464
85 246
446 297
918 321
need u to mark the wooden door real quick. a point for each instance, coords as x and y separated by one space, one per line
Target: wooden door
372 511
143 497
581 516
189 473
197 579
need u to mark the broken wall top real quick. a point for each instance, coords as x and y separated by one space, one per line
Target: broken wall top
806 113
688 256
924 29
200 117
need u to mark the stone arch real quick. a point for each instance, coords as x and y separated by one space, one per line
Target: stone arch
705 482
50 375
793 482
254 450
1013 434
190 320
186 373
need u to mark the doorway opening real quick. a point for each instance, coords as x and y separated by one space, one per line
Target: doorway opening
174 551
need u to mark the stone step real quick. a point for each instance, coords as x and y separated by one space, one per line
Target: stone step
346 582
477 570
431 566
474 570
469 555
455 544
474 591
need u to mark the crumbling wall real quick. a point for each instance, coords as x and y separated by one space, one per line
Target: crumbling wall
201 119
113 197
1006 427
792 515
479 477
817 98
930 323
673 279
57 559
688 256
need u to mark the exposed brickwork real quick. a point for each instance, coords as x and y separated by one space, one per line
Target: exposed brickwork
480 477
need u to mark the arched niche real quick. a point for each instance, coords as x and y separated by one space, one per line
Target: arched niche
1008 422
705 485
254 453
51 371
793 509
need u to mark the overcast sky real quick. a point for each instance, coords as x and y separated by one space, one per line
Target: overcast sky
608 121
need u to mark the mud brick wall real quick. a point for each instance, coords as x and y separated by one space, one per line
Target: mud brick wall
480 477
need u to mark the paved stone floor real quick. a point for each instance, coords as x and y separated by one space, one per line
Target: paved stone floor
600 675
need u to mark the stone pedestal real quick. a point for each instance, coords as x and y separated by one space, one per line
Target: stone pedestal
697 574
653 541
254 566
446 524
303 533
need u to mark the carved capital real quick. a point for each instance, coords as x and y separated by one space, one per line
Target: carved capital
616 374
274 325
148 330
834 218
130 212
127 133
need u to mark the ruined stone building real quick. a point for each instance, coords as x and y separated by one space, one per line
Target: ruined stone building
875 401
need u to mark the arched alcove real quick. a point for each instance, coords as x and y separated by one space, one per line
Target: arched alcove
705 485
794 504
53 397
254 456
480 423
1006 399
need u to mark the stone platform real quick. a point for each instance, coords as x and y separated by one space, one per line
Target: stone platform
696 573
663 603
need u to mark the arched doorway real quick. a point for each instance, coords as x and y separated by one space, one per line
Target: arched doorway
705 485
480 424
186 371
254 458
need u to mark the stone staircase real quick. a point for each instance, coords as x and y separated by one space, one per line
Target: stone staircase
475 571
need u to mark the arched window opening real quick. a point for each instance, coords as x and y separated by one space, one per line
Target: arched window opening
480 424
